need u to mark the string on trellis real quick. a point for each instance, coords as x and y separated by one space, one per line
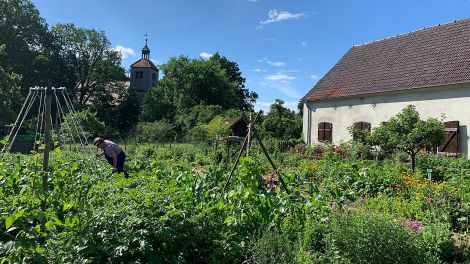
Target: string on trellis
67 130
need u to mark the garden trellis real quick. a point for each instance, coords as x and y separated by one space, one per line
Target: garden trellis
72 133
246 147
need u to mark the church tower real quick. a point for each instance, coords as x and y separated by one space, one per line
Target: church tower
144 74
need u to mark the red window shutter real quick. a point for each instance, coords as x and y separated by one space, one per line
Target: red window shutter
451 142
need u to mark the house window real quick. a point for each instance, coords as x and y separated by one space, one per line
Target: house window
361 126
154 76
139 75
325 132
451 142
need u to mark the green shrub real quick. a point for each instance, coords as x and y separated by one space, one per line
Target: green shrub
273 247
364 237
436 238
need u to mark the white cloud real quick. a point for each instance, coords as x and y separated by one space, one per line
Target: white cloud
125 52
264 106
275 15
303 44
205 55
273 63
258 70
292 105
279 77
314 77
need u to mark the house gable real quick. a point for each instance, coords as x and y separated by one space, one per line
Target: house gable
431 57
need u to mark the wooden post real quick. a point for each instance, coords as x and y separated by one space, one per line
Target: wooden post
284 185
249 138
47 148
229 179
245 141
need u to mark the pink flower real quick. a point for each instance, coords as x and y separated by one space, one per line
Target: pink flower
362 199
334 206
415 225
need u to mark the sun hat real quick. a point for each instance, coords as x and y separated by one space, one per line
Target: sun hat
97 141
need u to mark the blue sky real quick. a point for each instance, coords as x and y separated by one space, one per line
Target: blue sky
282 46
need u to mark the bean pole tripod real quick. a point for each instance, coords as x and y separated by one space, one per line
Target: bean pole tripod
247 145
42 96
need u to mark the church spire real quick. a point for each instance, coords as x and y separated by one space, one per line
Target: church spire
145 50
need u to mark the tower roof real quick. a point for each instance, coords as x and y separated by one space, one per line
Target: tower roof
143 63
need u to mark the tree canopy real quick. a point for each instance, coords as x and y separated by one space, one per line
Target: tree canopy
90 63
408 133
194 91
281 122
217 81
32 55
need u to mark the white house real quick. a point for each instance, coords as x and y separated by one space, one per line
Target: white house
428 68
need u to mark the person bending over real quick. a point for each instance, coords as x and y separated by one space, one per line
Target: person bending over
113 154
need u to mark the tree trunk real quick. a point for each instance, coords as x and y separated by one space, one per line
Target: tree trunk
413 161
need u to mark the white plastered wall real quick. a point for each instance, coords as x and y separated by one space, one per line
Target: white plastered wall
452 101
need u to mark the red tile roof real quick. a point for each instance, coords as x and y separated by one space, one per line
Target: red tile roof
142 63
435 56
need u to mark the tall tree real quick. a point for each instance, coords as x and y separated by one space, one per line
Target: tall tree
89 61
189 82
281 122
27 41
9 93
245 98
157 105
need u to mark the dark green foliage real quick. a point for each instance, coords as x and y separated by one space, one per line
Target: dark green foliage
282 123
155 132
25 55
244 98
27 41
190 82
193 91
83 123
157 106
9 92
198 115
128 110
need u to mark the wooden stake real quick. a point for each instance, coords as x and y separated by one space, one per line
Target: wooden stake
284 185
249 138
245 142
47 148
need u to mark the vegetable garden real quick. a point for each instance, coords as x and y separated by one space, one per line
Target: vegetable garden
172 209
